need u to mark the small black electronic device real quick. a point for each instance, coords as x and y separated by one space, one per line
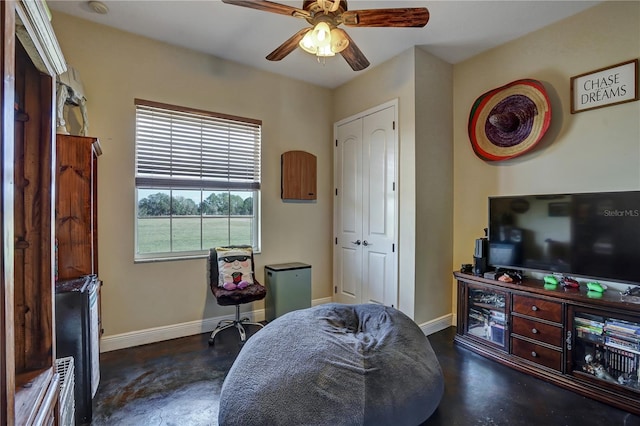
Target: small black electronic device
466 268
491 275
479 266
480 257
481 248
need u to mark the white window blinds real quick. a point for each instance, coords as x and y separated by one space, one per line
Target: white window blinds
190 149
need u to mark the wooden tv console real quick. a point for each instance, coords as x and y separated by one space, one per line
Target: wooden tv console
570 337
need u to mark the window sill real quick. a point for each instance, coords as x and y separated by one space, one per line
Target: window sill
170 258
173 258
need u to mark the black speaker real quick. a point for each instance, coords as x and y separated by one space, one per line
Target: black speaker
480 256
482 246
479 266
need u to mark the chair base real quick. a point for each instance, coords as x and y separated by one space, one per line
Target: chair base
237 322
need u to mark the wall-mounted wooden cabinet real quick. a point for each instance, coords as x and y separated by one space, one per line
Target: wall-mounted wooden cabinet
31 60
299 176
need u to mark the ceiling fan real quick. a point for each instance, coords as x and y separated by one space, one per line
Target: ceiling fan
324 38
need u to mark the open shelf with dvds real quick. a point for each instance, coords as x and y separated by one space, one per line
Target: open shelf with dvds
605 349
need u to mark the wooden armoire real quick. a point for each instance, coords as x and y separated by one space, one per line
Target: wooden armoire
31 60
77 298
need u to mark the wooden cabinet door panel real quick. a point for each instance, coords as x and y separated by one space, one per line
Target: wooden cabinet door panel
75 206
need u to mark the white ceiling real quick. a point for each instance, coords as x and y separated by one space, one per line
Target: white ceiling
457 30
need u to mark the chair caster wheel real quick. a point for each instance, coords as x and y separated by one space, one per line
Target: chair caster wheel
210 342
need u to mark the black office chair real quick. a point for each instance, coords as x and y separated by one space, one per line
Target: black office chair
237 296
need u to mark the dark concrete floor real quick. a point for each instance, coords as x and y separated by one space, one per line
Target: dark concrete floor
479 391
178 382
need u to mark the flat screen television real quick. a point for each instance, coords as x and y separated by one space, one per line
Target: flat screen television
593 235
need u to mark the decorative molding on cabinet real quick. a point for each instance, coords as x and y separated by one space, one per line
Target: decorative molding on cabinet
34 30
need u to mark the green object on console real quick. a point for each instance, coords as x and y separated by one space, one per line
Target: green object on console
595 286
550 280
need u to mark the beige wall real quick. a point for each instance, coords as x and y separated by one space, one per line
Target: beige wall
117 67
434 183
596 150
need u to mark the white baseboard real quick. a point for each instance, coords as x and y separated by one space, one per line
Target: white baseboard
438 324
316 302
174 331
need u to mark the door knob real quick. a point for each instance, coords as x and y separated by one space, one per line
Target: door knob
356 242
366 243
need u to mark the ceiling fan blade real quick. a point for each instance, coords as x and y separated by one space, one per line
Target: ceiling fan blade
288 46
269 6
399 17
354 56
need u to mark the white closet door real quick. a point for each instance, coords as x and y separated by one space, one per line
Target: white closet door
365 212
378 208
348 259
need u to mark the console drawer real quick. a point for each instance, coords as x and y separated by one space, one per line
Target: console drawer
538 308
547 333
536 353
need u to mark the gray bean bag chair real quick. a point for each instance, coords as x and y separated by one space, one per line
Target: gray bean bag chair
334 364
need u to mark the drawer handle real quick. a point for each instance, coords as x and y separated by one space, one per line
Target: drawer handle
534 330
534 354
534 308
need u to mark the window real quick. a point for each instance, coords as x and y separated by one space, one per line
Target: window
197 180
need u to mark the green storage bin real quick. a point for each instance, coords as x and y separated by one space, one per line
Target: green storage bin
288 288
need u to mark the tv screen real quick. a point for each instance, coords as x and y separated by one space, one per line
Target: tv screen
592 235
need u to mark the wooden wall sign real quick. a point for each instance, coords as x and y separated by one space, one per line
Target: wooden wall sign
612 85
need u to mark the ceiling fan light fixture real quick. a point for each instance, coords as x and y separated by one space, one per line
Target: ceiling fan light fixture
323 41
339 41
322 35
307 43
325 51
